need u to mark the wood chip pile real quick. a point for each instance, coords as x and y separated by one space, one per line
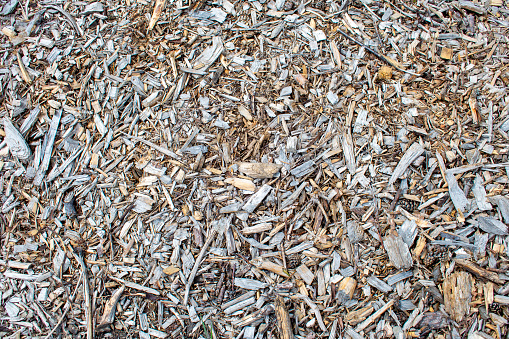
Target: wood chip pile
254 169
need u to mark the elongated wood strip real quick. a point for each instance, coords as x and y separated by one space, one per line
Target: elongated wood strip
158 9
58 170
270 266
87 297
412 153
24 73
136 286
478 271
156 147
283 319
374 316
49 140
197 263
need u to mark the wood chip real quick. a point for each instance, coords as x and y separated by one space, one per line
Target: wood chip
457 295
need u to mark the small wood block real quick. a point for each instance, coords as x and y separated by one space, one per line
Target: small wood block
446 53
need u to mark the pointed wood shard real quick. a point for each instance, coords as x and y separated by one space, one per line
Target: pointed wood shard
349 153
49 140
412 153
110 308
17 144
158 9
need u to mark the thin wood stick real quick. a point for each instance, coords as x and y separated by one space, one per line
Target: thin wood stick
69 18
197 263
88 300
154 146
375 53
374 316
395 200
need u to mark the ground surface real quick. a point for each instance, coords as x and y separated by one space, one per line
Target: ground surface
254 169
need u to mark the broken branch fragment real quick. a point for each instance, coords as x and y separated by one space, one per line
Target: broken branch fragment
110 308
158 9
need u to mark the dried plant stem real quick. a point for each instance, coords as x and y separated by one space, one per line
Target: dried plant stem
197 264
87 297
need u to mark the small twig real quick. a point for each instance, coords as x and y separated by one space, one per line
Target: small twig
154 146
374 316
67 307
395 200
197 263
376 217
88 300
375 53
69 18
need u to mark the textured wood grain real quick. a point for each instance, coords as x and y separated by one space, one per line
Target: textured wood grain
457 295
283 319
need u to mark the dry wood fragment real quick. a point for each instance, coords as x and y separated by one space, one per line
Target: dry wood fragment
446 53
501 299
156 147
457 195
385 72
474 111
283 319
88 298
259 170
412 153
243 184
256 198
305 274
397 250
249 284
270 266
136 286
49 141
457 295
197 263
335 53
24 72
14 139
346 289
479 271
348 151
492 226
374 316
245 112
355 317
69 18
471 6
158 9
110 308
